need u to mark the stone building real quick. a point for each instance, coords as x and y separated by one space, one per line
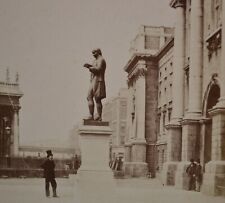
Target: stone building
115 111
165 102
196 128
10 95
176 103
142 68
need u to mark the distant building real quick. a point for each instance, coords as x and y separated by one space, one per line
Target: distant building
40 152
62 149
115 111
10 95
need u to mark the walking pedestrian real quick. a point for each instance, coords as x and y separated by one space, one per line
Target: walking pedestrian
49 174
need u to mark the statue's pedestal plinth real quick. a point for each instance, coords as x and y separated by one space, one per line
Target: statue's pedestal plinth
95 178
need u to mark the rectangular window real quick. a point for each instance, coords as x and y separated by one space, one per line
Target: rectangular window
164 121
217 6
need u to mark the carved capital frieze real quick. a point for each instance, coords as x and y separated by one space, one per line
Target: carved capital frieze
139 70
177 3
16 109
213 43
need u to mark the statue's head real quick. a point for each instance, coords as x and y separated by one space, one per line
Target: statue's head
97 51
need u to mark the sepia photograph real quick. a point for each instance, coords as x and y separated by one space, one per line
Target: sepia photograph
108 101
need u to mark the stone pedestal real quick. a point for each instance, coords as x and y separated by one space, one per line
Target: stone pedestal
137 167
168 173
190 150
214 178
181 177
95 181
173 153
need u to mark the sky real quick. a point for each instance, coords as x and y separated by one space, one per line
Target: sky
48 41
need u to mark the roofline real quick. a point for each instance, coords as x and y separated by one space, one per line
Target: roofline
165 48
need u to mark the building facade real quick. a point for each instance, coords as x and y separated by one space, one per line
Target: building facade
197 122
10 95
165 101
190 106
115 111
143 91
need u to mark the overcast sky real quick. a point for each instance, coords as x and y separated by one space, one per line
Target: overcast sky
48 41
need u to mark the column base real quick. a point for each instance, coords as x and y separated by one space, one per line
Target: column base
214 178
181 177
135 169
168 173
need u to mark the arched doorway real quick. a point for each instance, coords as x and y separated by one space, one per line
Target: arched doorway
212 99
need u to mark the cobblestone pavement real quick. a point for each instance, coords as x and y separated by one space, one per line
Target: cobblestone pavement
127 191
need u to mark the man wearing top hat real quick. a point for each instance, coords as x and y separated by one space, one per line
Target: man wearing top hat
49 174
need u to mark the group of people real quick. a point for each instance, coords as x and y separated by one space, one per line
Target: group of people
116 164
194 172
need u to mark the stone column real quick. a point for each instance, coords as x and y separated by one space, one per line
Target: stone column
214 176
190 124
174 127
196 58
140 101
15 133
139 143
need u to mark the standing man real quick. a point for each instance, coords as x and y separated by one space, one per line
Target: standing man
191 169
49 174
198 175
97 90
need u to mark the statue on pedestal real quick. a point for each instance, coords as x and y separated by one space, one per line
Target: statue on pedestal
97 89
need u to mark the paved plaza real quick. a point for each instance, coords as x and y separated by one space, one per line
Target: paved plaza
127 191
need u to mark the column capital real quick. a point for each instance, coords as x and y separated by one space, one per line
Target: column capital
16 109
177 3
139 70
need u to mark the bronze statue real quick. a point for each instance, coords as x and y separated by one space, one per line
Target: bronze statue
97 90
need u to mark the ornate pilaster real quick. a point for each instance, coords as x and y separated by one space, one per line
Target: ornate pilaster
137 166
190 124
196 58
138 71
174 127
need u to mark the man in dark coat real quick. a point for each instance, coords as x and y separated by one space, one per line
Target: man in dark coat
49 174
97 88
191 169
198 175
